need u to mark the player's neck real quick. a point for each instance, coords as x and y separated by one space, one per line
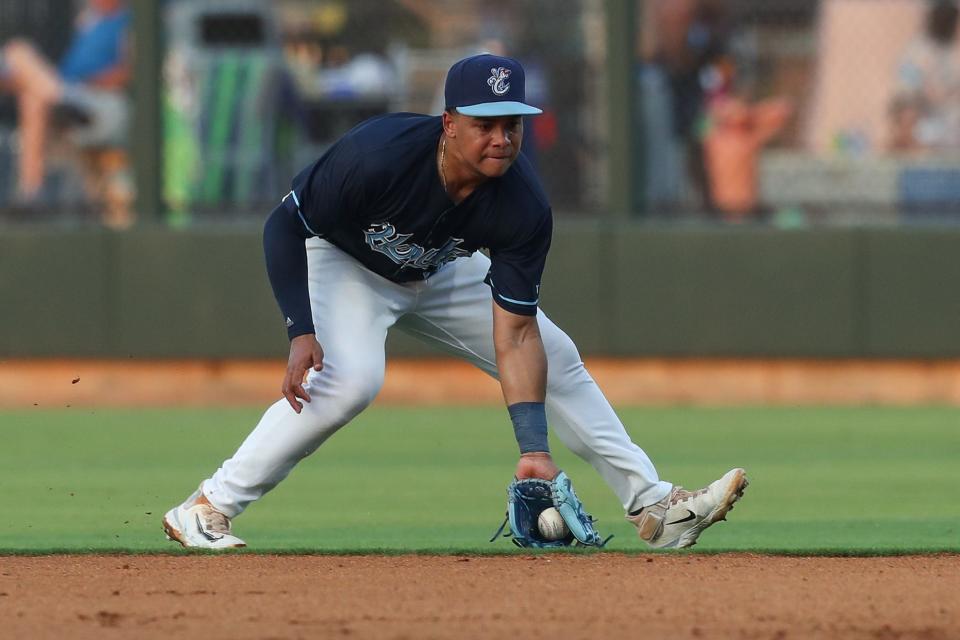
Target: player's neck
457 179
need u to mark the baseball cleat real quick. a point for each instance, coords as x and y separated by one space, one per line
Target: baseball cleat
678 520
197 524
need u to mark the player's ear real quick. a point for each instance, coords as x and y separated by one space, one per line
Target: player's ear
450 123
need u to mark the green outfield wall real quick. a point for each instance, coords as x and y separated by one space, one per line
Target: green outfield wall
618 289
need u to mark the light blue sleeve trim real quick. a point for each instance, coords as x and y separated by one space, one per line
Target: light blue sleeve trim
506 299
300 213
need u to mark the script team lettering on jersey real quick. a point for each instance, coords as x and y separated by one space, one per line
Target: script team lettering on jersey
385 239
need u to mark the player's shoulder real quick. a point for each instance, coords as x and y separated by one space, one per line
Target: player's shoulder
521 187
391 130
522 210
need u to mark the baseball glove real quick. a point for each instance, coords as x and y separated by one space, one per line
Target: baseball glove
527 498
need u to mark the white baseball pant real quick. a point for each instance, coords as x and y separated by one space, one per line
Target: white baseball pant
352 310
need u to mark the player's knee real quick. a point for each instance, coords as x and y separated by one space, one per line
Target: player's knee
577 446
563 360
350 386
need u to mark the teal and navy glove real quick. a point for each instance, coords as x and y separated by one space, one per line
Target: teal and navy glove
526 499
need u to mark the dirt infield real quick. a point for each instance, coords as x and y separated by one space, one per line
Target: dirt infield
594 596
126 383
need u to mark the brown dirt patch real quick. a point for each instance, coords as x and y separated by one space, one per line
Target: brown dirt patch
592 596
113 383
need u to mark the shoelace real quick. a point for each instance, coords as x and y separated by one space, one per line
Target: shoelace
680 494
214 521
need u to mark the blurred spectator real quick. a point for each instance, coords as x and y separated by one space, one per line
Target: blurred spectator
690 36
736 135
87 85
365 75
925 111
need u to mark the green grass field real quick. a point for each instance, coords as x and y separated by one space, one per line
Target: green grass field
823 480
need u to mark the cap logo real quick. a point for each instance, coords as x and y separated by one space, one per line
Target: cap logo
498 80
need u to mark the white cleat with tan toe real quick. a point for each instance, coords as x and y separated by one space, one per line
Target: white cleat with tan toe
678 520
197 524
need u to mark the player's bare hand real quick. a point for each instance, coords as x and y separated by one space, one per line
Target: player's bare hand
305 353
536 465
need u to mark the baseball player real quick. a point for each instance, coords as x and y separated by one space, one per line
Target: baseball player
385 230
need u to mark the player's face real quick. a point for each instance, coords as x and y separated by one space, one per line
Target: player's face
488 146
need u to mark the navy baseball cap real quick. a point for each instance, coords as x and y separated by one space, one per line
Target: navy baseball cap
487 86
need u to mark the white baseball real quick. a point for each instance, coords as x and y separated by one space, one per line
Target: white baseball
551 525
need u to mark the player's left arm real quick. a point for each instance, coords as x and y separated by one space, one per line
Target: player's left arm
521 359
517 263
522 365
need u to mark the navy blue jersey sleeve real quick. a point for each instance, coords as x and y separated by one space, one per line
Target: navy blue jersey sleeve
331 190
516 268
286 258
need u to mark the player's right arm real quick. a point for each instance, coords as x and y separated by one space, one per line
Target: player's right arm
286 258
332 189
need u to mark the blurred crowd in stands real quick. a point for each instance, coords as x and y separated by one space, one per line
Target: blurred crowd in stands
705 129
925 108
873 84
80 100
782 111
